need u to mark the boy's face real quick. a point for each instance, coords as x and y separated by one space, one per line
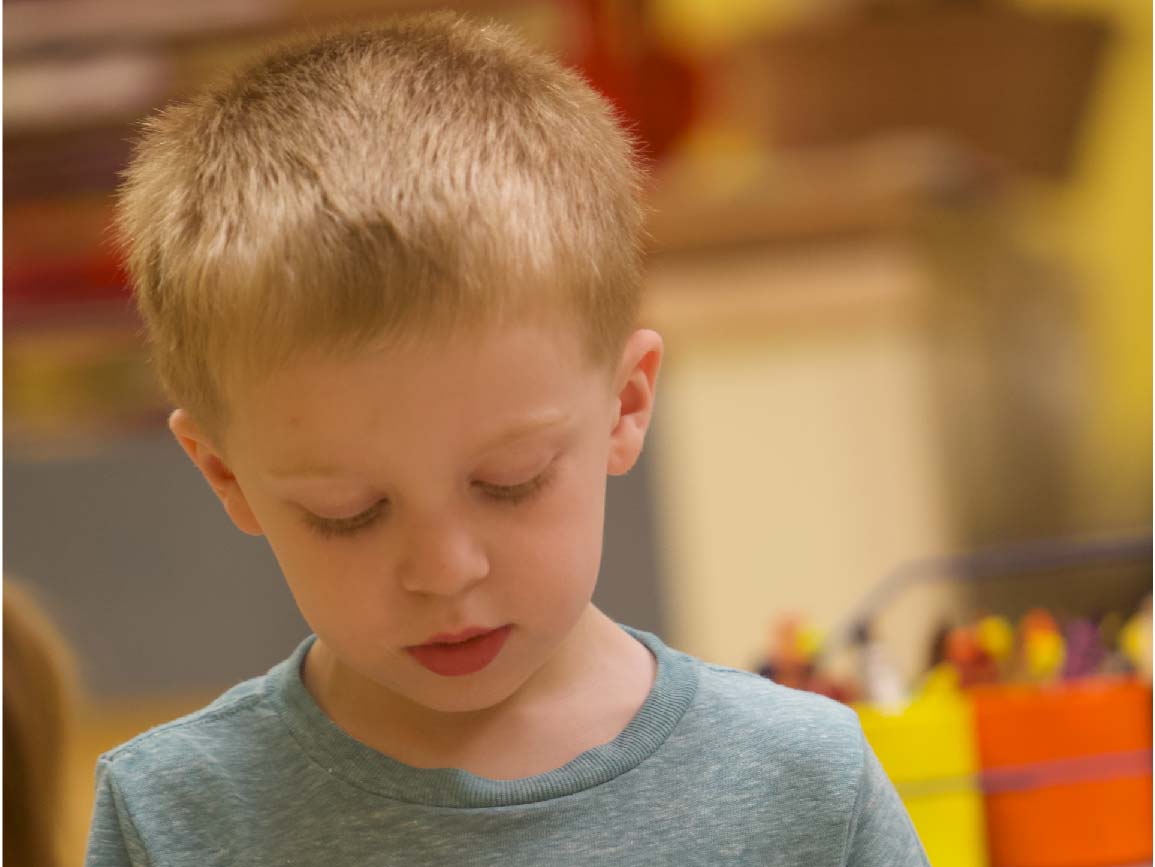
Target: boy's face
425 490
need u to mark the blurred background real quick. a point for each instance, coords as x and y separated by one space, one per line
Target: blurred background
901 259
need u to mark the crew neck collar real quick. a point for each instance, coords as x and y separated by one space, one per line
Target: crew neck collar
671 694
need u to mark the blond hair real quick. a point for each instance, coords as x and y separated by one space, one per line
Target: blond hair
39 697
357 187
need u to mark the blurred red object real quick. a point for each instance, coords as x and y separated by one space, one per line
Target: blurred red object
973 664
95 277
59 252
656 91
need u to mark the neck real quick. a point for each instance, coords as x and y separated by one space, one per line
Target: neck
585 679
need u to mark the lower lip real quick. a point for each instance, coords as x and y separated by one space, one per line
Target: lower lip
466 657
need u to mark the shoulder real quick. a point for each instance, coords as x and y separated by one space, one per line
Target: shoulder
183 787
791 763
781 733
222 734
804 766
780 715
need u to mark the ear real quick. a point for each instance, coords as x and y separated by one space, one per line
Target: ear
212 465
634 384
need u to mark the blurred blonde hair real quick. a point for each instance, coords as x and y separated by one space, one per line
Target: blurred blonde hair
377 185
38 708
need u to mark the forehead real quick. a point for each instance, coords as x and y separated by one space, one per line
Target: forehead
464 393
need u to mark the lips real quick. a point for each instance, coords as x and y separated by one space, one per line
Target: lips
463 657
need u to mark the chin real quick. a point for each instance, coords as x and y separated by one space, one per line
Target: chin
454 695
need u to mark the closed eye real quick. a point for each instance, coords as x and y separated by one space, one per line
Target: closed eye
514 494
329 527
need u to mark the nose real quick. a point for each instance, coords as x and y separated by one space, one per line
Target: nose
441 556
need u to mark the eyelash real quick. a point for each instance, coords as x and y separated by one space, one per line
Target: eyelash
512 495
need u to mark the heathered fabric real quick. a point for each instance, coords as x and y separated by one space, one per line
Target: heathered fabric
719 766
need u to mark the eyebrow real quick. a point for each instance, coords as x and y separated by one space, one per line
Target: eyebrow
542 422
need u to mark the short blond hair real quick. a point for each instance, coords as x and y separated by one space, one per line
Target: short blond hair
377 185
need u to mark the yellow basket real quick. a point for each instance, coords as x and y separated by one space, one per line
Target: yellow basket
928 750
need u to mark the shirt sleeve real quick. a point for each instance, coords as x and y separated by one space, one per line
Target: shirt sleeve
880 833
112 839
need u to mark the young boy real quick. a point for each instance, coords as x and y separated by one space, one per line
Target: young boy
391 280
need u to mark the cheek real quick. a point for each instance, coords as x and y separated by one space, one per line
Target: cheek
305 557
322 575
562 540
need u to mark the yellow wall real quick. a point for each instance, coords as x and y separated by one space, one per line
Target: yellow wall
1103 219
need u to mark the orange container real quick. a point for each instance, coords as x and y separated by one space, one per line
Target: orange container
1067 772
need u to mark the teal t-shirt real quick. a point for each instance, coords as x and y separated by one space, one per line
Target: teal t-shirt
718 766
